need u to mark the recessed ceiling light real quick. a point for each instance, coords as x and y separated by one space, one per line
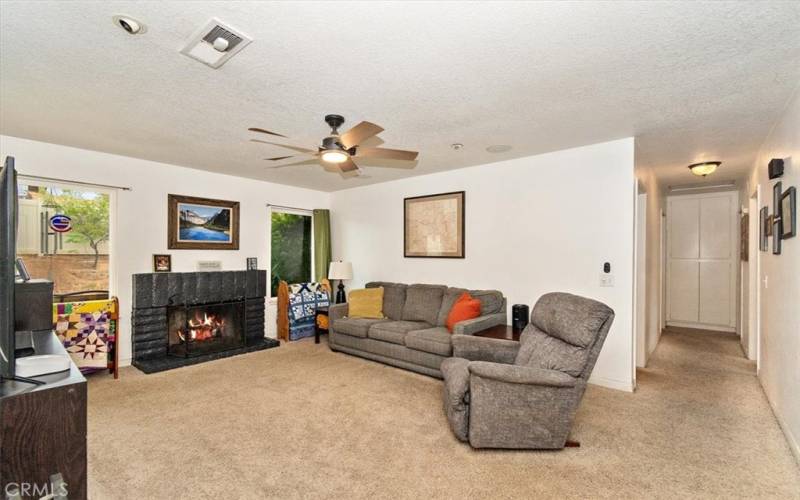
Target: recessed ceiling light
704 168
457 146
130 25
498 148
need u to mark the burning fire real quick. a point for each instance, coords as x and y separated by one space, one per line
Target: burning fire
202 328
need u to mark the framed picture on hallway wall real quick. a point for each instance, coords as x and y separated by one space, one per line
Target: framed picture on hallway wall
789 213
202 223
433 226
763 243
744 237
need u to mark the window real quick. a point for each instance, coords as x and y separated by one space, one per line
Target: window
291 248
72 251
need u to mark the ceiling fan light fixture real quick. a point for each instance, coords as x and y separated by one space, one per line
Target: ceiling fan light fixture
334 156
704 168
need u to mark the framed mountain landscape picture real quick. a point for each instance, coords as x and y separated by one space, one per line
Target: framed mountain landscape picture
202 223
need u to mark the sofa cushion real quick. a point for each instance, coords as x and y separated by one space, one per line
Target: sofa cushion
357 327
449 298
435 340
539 350
395 331
573 319
491 300
464 309
423 303
394 297
366 303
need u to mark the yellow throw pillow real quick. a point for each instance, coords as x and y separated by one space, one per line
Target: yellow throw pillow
366 303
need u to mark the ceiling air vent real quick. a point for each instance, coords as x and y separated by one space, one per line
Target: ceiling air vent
215 43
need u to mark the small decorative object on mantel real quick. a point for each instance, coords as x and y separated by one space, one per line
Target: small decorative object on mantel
252 263
789 213
162 263
209 265
202 223
763 243
433 226
745 236
775 168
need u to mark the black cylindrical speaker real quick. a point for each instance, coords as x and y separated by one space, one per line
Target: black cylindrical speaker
519 316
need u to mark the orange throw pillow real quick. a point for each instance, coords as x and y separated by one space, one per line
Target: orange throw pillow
464 308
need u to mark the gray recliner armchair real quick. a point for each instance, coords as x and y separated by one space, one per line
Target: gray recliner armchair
506 394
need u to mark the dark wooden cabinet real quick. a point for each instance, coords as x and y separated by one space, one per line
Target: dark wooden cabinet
43 433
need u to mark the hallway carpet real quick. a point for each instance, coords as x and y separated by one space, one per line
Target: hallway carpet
301 421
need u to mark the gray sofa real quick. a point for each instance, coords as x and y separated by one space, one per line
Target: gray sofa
413 335
505 394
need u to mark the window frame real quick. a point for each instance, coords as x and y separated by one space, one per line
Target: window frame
113 193
285 210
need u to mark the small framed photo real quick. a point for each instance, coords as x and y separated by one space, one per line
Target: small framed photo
162 263
777 190
776 235
789 213
22 271
763 243
252 263
770 220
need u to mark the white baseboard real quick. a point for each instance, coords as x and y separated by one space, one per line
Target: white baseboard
611 383
794 445
699 326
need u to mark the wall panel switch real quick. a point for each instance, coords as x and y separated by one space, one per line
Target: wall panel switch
606 279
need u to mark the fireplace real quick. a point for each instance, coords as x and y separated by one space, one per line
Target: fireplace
181 319
206 328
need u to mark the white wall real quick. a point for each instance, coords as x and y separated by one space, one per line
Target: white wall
533 225
140 228
780 302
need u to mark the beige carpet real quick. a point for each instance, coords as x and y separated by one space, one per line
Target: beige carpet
302 421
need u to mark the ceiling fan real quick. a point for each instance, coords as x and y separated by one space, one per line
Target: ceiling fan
338 151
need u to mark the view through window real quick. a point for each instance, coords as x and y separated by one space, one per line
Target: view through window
63 236
291 249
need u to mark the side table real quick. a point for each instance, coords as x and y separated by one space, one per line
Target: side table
321 311
504 332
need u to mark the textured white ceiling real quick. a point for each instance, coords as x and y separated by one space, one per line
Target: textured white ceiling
690 80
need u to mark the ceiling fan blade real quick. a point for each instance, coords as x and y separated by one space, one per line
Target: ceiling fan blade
389 154
294 148
295 164
347 166
359 133
277 158
256 129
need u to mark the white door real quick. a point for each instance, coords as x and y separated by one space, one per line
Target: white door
702 260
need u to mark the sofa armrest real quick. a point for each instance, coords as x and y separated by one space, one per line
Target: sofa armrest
337 311
484 349
471 326
515 374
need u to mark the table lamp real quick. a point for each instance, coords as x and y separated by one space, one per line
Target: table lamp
340 271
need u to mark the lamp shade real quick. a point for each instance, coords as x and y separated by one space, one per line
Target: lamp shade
340 271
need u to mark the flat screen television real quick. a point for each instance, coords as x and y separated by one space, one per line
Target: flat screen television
8 250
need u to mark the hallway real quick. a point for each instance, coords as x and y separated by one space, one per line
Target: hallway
704 408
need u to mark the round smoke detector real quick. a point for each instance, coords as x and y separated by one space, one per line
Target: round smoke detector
130 25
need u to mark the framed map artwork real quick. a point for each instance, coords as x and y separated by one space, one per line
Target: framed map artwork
433 226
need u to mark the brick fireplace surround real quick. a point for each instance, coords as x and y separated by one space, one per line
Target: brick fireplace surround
153 293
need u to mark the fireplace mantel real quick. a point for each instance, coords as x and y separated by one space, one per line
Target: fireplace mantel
154 293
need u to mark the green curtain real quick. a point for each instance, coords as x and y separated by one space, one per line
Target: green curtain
322 243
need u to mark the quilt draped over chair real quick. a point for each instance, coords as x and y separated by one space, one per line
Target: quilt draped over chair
297 308
88 330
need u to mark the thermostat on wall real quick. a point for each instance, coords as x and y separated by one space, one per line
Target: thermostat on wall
209 265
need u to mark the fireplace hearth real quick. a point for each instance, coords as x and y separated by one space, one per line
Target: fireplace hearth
181 319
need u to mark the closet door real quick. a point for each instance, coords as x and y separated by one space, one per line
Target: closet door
683 223
701 260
